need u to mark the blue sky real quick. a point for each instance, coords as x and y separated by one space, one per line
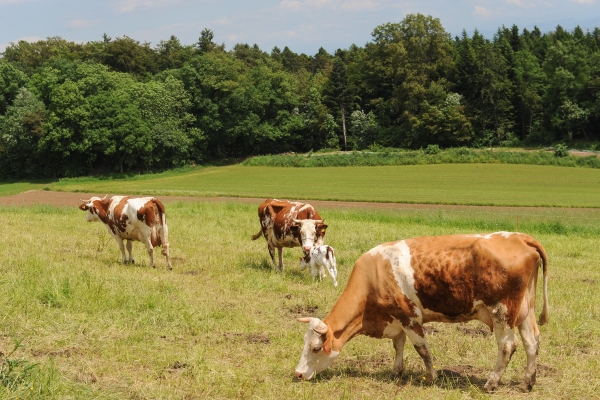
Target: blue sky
303 25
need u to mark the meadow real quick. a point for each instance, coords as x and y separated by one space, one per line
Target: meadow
471 184
75 323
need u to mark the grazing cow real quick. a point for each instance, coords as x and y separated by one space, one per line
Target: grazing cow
320 258
396 287
289 224
142 219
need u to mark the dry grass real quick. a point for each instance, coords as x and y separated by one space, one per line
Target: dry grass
222 323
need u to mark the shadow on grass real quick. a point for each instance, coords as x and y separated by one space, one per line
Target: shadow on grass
263 265
462 378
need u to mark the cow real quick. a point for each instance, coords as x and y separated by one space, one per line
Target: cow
320 258
142 219
396 287
289 224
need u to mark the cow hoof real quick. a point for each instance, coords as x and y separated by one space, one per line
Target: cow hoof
490 387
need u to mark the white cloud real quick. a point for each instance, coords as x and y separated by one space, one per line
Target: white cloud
130 5
296 5
482 11
358 5
225 21
3 2
584 1
516 2
82 23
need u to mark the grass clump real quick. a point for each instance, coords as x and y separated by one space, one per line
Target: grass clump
431 155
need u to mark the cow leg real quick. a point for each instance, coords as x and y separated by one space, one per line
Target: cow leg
119 240
399 342
272 254
422 347
280 252
148 243
507 345
129 247
313 270
164 231
531 342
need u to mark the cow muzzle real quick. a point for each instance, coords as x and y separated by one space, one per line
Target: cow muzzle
302 376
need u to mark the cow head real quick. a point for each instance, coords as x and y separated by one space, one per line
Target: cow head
317 354
311 232
91 205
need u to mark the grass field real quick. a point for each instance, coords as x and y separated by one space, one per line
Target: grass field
222 323
475 184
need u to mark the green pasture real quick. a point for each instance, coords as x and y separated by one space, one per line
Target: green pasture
76 324
472 184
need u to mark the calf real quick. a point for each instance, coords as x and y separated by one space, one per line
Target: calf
321 258
142 219
397 287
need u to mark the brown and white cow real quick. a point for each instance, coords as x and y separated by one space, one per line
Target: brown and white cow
396 287
289 224
142 219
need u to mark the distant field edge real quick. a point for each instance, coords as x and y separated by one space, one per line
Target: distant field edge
63 198
463 155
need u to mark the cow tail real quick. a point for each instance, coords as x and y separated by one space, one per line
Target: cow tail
257 235
544 316
164 230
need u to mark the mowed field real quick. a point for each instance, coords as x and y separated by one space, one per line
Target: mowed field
475 184
75 323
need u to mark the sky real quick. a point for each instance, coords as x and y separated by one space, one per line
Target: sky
302 25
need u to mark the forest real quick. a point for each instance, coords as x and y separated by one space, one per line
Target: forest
117 105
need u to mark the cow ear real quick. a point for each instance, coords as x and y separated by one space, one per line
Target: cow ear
294 228
322 228
83 207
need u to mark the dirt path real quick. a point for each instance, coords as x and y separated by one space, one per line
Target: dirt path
68 199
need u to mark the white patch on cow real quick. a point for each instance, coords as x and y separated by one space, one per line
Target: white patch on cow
399 256
489 236
393 329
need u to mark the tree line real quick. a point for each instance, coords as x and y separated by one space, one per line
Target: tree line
118 105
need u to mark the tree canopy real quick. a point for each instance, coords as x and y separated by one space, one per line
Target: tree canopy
118 105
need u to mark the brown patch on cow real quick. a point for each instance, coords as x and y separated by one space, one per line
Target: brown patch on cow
452 272
147 213
119 218
386 304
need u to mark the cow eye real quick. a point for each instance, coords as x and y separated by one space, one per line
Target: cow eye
317 349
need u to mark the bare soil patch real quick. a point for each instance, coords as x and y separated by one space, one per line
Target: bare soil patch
68 199
250 338
474 331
